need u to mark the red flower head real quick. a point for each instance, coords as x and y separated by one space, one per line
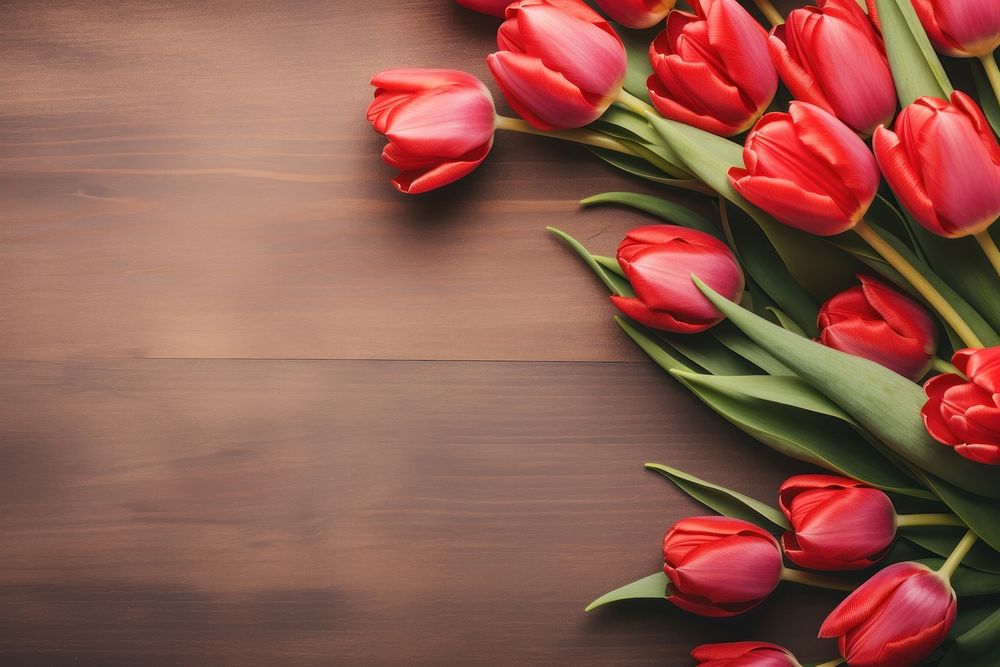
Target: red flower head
808 170
743 654
659 260
837 523
898 617
961 28
439 124
831 56
712 69
965 414
636 13
874 321
943 163
719 566
491 7
560 64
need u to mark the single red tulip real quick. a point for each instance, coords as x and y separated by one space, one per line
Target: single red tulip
743 654
439 124
831 56
943 163
965 413
712 69
560 65
808 170
837 523
898 617
719 566
637 13
874 321
659 260
491 7
961 28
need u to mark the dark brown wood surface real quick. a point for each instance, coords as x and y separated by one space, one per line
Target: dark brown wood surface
257 408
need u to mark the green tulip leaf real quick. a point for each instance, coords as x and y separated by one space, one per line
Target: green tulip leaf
652 587
915 66
638 167
966 581
734 339
982 637
885 404
786 322
941 540
724 501
639 68
987 99
706 351
784 389
958 658
611 280
979 514
610 264
664 209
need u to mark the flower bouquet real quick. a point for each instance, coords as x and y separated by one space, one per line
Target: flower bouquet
841 305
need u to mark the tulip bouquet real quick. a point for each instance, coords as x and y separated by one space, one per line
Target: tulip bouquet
841 303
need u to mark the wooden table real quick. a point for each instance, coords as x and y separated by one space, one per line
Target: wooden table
258 408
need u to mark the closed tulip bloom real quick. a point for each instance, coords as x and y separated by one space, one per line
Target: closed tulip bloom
637 13
874 321
831 56
712 69
961 28
560 65
743 654
837 523
491 7
808 170
898 617
719 566
659 260
965 413
943 163
439 124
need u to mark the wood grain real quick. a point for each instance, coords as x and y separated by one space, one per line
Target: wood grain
257 408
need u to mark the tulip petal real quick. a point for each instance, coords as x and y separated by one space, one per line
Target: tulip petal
789 203
449 123
420 181
544 98
980 453
867 598
877 341
904 179
732 570
660 275
656 319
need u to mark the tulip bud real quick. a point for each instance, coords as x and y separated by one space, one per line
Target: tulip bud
808 170
943 163
965 414
659 260
636 13
439 124
898 617
831 56
874 321
491 7
560 64
961 28
719 566
712 69
743 654
837 523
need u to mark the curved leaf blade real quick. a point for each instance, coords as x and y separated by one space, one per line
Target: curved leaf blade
916 68
652 587
664 209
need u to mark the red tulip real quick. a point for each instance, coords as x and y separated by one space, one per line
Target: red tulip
636 13
491 7
439 124
719 566
873 14
560 64
712 69
961 28
943 163
965 414
808 170
659 261
831 56
898 617
743 654
874 321
837 523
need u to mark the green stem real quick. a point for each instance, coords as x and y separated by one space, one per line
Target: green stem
907 520
992 72
634 104
832 663
919 282
986 241
961 551
817 580
769 11
942 366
